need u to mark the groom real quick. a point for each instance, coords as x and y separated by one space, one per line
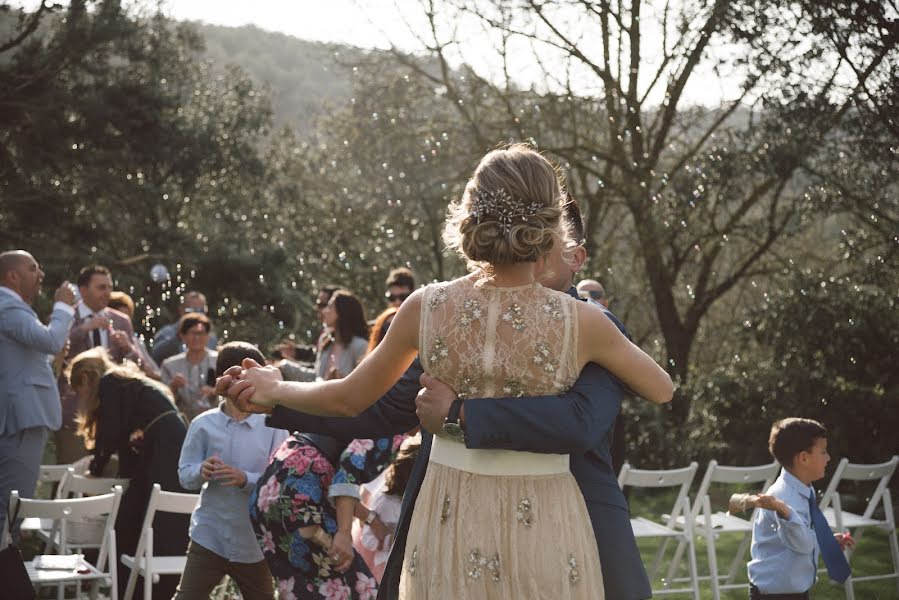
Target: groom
579 422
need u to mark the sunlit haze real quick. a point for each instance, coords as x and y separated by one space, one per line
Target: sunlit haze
382 23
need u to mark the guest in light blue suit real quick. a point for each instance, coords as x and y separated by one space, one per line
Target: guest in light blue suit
29 398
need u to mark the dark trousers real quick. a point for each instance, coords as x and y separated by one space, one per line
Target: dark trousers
205 569
755 594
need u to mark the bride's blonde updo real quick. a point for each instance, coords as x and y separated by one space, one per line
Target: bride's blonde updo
510 212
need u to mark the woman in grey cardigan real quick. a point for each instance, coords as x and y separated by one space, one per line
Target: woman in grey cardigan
346 347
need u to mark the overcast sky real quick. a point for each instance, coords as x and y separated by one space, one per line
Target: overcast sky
366 24
377 23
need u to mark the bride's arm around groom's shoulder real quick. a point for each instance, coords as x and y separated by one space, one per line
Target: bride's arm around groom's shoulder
601 342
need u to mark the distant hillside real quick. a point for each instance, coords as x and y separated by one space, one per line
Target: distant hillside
304 78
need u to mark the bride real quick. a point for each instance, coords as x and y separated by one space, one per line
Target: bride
492 523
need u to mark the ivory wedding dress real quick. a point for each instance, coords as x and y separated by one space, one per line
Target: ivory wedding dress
499 523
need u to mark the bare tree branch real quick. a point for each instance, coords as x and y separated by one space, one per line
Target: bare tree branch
30 26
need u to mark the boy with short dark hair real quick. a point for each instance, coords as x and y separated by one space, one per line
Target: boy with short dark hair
228 450
789 534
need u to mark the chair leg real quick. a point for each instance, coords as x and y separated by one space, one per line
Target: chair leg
657 562
694 576
148 584
738 559
710 548
112 564
894 550
132 579
691 555
148 571
676 560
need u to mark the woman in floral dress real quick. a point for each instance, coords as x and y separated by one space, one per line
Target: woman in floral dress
492 524
291 508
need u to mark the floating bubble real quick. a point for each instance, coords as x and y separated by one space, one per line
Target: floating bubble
159 273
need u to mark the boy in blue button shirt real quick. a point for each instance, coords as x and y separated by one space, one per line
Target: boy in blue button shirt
228 450
785 547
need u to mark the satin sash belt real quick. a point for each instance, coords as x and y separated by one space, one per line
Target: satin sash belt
496 462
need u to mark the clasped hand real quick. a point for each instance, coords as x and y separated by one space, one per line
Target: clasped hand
252 387
214 469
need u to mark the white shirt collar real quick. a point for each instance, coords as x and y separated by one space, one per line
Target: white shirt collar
84 311
793 481
250 421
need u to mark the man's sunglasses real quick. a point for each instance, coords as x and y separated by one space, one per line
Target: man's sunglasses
595 294
394 297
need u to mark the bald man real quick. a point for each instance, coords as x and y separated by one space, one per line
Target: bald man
592 289
29 398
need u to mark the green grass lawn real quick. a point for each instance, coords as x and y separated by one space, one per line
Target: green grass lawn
871 557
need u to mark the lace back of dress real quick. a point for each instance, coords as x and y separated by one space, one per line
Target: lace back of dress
491 342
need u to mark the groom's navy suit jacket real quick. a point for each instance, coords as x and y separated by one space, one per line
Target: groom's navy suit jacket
580 423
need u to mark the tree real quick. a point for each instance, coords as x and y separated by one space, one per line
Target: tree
706 198
120 145
372 186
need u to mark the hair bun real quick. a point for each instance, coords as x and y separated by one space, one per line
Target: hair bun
510 211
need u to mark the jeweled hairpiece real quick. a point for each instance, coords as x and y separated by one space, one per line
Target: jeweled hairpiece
502 205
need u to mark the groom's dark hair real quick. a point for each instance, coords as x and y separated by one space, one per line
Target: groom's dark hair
572 211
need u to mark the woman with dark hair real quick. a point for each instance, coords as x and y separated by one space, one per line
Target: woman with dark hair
339 353
121 410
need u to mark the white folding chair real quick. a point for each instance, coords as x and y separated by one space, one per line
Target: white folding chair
80 534
87 533
79 570
645 528
53 473
144 563
841 520
43 528
79 486
709 525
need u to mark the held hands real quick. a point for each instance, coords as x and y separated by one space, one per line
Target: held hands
341 550
433 402
250 386
213 469
207 469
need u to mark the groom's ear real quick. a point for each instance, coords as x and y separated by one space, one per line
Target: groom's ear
249 363
579 257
